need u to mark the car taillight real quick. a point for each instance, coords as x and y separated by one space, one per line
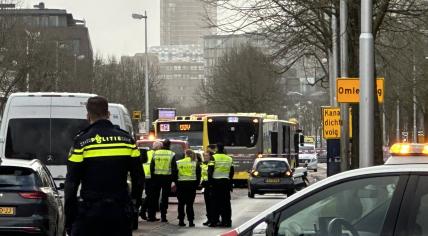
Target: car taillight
33 195
230 233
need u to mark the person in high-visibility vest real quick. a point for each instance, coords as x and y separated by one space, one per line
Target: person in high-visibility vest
187 177
206 184
161 168
148 184
220 173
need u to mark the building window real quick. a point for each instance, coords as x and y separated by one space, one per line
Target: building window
53 21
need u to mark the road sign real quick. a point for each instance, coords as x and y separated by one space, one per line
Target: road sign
348 90
331 122
136 115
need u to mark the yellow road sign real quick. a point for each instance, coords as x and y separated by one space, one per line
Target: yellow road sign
348 90
136 115
331 122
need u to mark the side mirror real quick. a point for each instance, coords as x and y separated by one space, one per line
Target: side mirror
61 186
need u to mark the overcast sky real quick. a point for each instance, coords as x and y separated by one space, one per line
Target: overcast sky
111 27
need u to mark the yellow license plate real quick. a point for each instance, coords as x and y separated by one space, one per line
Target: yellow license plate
272 181
7 211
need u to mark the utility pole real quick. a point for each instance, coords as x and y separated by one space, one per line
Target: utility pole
344 73
415 114
366 85
335 56
146 71
397 135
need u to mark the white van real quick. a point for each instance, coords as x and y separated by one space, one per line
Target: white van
119 115
42 126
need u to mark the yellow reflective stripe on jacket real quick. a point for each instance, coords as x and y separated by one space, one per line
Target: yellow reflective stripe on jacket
146 166
163 160
204 172
75 157
108 152
186 169
135 153
222 165
105 145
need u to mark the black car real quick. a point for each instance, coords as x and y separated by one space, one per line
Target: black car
271 175
29 200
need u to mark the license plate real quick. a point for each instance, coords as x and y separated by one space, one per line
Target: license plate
272 181
7 211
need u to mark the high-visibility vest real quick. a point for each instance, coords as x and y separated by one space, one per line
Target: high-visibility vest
186 169
204 172
222 165
163 159
146 166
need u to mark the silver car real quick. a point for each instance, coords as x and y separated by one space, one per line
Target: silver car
391 199
308 157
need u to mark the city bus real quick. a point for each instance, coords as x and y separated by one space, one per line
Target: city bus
248 136
184 128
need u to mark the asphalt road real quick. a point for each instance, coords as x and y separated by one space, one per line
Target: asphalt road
243 209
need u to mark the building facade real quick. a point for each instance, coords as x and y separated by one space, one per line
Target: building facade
184 22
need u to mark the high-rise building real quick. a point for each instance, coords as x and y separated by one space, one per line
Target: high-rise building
185 21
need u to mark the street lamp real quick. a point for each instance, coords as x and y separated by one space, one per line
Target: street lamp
146 76
77 57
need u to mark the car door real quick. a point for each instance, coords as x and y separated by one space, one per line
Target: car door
58 199
54 198
414 209
358 206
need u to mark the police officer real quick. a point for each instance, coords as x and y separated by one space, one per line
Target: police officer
220 173
188 177
99 161
162 168
208 155
148 183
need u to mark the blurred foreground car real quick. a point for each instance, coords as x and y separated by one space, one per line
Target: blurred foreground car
391 199
29 200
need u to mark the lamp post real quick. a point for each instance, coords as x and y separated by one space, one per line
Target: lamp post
77 57
146 74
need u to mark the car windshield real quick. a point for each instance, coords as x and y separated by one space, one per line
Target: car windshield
307 149
48 140
17 178
269 166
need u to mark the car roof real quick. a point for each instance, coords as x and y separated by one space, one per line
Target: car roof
271 159
382 169
59 94
32 164
175 141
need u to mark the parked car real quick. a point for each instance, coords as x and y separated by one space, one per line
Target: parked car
308 157
177 146
390 199
29 200
273 175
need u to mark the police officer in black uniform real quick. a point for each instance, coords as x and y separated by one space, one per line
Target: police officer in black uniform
100 160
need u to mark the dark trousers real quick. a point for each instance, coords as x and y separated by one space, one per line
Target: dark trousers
103 217
186 193
148 187
161 184
208 198
221 201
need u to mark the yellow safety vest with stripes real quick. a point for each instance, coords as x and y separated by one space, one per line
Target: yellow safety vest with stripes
146 166
204 172
104 150
163 159
222 164
186 169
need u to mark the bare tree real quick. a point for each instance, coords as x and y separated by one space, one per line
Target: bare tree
245 80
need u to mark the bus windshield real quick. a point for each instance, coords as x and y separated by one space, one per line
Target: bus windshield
193 138
233 131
